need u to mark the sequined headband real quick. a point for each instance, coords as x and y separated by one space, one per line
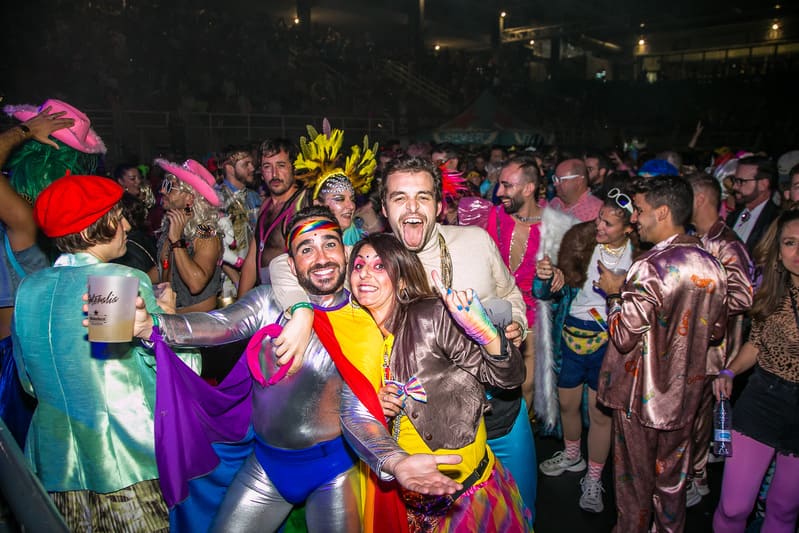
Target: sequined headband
316 224
334 184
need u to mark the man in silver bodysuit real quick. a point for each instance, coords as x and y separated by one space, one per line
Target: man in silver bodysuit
300 454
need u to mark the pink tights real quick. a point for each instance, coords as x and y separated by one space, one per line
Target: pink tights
743 474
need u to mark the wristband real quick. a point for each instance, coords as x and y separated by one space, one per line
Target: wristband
300 305
613 296
727 372
25 129
180 243
239 262
156 321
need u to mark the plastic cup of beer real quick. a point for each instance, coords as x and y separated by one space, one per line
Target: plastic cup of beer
112 308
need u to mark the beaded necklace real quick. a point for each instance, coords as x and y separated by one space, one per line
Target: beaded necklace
527 220
613 253
394 424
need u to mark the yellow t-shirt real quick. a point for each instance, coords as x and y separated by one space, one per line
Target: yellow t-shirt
412 442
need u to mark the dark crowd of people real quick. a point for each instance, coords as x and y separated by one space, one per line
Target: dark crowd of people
367 338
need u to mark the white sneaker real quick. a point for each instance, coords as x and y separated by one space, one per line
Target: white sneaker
591 498
692 494
560 463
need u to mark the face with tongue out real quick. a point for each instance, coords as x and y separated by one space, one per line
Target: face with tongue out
410 206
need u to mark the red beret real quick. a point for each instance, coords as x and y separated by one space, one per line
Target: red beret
73 203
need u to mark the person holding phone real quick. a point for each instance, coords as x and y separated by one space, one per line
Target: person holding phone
189 246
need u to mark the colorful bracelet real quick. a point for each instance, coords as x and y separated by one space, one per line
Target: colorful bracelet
727 372
300 305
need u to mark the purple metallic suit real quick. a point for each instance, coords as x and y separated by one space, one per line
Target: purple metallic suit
298 414
673 306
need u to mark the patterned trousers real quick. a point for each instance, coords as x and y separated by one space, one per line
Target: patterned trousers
650 467
139 508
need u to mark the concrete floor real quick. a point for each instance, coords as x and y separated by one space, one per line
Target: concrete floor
557 510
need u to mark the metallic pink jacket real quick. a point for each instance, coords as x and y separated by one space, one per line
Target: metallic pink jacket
725 245
674 304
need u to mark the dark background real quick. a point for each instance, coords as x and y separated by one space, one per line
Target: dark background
190 76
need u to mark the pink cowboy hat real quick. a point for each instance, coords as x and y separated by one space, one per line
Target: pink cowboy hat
197 176
80 136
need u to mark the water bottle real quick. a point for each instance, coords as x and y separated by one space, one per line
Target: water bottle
722 428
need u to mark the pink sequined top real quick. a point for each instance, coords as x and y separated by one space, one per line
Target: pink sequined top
500 226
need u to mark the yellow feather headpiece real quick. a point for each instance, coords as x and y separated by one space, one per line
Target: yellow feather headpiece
319 160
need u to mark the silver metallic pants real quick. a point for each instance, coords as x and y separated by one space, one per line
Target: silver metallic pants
253 504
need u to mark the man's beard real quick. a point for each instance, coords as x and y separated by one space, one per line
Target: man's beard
306 283
513 207
743 199
247 179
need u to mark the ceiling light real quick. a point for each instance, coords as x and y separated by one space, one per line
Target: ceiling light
641 42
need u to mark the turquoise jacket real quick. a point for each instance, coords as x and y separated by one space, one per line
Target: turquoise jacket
93 426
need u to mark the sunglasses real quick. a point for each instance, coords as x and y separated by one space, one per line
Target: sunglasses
167 185
622 200
557 179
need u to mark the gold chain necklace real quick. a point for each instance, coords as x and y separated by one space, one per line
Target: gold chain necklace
446 262
613 253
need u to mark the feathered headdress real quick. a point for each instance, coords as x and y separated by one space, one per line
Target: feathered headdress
319 160
452 184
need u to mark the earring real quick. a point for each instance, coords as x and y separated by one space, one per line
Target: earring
353 302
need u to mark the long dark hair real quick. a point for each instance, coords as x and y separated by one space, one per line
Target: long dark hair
776 279
402 266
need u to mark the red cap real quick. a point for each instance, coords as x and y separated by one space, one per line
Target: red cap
73 203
